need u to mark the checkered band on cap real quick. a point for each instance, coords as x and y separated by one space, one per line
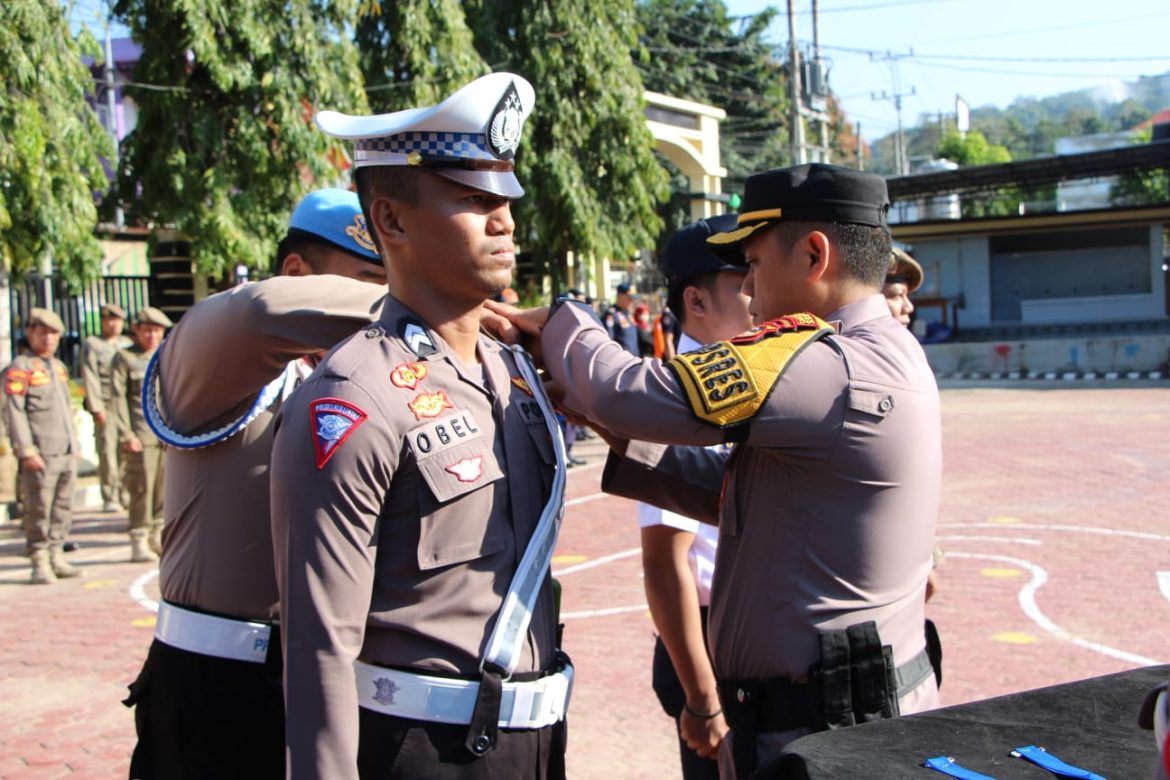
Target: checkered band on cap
462 146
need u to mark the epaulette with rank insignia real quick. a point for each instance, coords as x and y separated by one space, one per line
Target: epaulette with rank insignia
728 382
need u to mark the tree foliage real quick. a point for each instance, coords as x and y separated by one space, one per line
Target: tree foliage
415 52
51 143
971 149
225 144
586 161
694 49
1144 188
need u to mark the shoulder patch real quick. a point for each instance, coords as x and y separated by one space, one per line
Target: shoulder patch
334 421
15 381
728 382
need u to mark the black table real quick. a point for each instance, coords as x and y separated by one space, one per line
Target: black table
1091 724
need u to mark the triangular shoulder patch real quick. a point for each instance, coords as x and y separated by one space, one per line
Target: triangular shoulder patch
728 382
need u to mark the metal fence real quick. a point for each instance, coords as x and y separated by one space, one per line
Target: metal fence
80 311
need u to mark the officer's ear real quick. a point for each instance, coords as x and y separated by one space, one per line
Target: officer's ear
819 250
295 264
695 301
387 224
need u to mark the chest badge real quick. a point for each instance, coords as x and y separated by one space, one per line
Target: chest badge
408 375
428 405
468 469
334 421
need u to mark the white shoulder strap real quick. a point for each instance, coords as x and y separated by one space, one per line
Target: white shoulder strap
511 630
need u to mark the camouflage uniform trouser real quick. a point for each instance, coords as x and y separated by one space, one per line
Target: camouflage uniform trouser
48 502
144 482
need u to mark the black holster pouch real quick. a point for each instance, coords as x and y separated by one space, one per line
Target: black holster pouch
855 680
755 706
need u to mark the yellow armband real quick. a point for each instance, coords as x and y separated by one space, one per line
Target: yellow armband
728 382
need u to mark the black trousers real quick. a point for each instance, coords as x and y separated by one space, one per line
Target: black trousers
204 717
392 748
672 697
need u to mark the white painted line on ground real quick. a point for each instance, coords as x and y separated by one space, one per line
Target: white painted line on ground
138 591
597 562
1077 528
1164 583
1006 539
588 613
1027 599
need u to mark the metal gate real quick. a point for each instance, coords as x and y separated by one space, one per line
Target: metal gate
81 312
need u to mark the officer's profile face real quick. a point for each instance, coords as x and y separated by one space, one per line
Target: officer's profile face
112 326
775 278
456 239
43 340
148 335
898 299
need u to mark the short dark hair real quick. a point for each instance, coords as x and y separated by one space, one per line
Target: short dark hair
391 181
303 244
865 250
674 296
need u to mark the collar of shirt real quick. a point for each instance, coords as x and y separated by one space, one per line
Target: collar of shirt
686 343
860 311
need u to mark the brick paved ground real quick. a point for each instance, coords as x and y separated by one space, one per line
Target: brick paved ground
1053 519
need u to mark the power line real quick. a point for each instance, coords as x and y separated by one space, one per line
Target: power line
983 58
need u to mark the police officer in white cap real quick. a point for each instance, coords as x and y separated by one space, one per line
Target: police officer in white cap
415 493
209 701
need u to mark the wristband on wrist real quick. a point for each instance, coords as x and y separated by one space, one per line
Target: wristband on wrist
701 715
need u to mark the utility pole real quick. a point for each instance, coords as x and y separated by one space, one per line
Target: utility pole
818 90
112 107
796 134
900 162
860 145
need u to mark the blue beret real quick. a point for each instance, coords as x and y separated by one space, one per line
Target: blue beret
335 217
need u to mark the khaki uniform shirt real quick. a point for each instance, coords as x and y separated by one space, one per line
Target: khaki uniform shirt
126 379
826 512
404 492
97 371
226 348
38 409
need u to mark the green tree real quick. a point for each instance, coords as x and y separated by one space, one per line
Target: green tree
971 149
587 160
415 52
1145 187
694 49
51 143
225 143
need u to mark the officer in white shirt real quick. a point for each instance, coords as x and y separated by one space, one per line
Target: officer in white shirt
678 553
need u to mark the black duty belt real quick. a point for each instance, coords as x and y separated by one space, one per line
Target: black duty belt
854 682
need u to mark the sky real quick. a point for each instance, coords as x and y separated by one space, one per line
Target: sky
988 51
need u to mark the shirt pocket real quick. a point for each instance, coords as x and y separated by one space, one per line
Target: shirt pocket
456 508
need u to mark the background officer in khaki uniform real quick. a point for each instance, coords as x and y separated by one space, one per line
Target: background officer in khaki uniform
209 699
410 473
828 502
903 278
141 449
97 376
40 422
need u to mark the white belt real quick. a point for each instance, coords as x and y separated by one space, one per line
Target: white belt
196 632
523 705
